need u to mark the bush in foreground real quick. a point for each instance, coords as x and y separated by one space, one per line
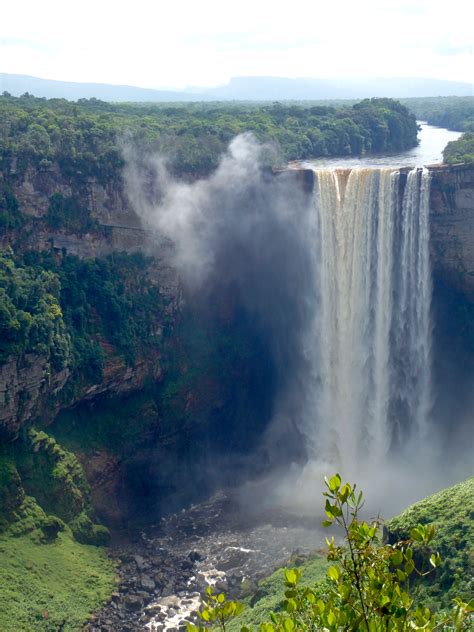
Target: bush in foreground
369 587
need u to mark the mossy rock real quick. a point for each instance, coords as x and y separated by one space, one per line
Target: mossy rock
86 532
11 490
53 476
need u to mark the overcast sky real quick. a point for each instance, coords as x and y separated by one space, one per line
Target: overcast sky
178 43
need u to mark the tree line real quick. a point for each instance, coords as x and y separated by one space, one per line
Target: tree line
85 138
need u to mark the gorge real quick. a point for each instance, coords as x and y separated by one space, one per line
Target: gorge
270 305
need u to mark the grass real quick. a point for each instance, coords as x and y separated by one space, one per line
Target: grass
45 585
271 592
452 512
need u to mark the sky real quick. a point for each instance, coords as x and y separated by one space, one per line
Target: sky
166 44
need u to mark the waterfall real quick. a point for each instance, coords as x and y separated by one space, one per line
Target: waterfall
370 339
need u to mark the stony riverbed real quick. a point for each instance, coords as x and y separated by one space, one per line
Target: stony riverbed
217 542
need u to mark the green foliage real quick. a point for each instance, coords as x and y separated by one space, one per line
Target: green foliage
270 595
42 487
86 532
51 475
10 216
452 513
369 583
46 585
31 319
69 214
50 527
11 490
109 300
456 113
461 150
118 425
85 138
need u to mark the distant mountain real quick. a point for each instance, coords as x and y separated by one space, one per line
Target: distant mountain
51 89
281 89
241 89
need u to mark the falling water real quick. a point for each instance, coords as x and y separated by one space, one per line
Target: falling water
372 334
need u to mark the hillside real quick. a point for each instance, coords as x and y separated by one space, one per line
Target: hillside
452 512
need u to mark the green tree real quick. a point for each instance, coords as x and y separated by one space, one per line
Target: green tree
369 584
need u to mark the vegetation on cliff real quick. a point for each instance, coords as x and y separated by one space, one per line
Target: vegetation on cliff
31 320
461 150
52 570
85 138
68 310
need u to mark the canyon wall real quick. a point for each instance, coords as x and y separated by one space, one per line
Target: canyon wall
452 226
26 384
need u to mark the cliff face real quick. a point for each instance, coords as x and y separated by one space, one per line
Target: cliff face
29 386
452 226
25 384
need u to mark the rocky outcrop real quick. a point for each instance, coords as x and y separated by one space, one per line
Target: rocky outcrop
28 387
452 225
25 384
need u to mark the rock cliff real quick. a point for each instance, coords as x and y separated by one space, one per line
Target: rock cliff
452 226
28 384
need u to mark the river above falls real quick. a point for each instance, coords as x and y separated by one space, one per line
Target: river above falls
429 151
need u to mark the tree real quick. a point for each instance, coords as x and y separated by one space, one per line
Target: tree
369 587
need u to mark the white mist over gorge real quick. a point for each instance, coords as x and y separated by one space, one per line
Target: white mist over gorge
340 280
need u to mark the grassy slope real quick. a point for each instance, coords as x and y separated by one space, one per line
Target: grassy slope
271 591
44 585
452 511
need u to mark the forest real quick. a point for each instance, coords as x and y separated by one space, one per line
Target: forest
461 150
86 138
455 113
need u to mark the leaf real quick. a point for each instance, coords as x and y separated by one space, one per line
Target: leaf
292 576
288 625
334 482
345 492
401 575
384 600
328 509
409 567
205 615
326 523
331 618
239 608
396 558
220 598
290 606
320 606
333 573
417 533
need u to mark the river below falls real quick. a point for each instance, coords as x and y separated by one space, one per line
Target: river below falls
229 542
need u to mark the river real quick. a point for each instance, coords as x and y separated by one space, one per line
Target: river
429 151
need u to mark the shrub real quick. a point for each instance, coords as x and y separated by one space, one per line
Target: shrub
369 584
